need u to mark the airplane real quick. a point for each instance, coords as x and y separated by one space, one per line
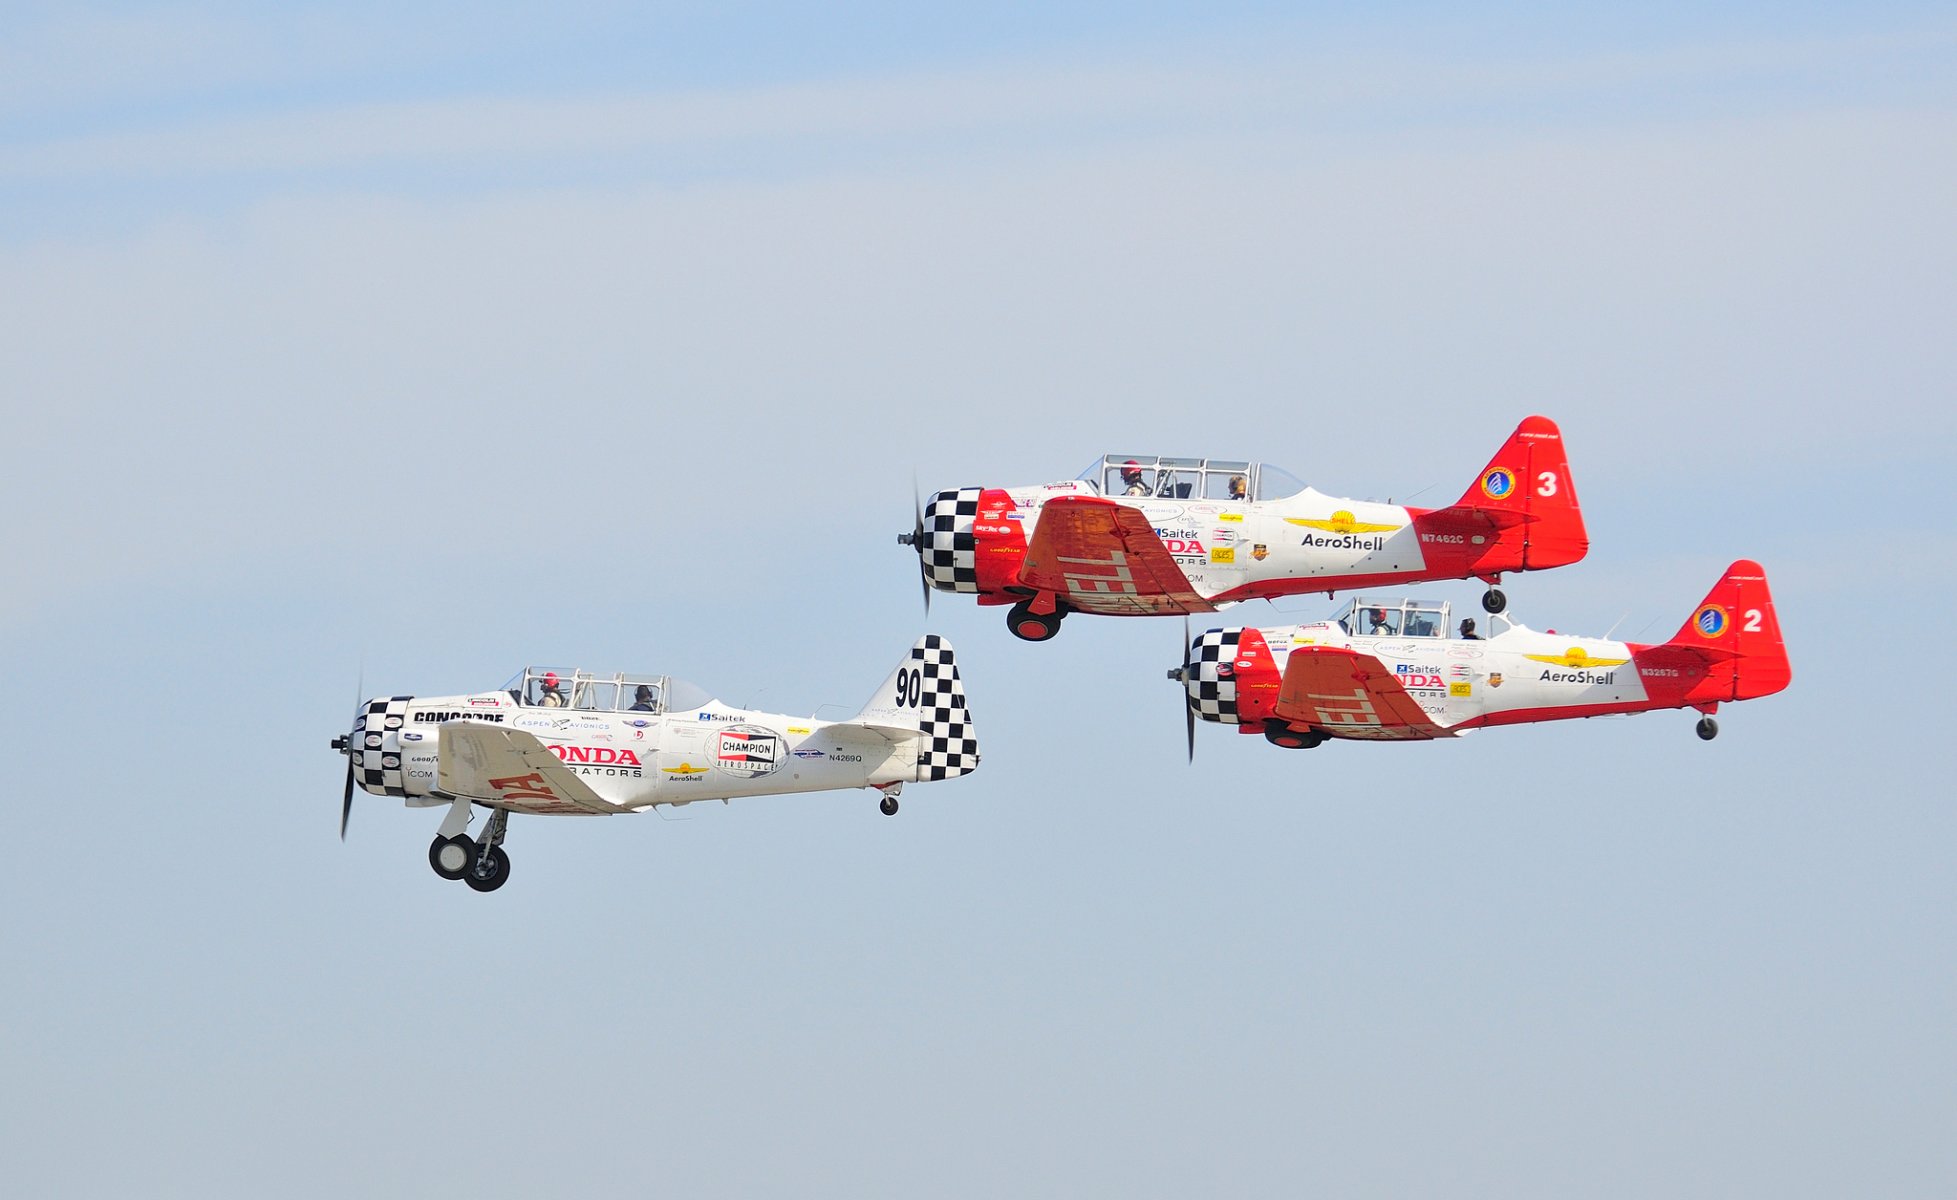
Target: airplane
1386 670
1140 536
574 743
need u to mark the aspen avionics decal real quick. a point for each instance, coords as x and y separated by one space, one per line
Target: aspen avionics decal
747 750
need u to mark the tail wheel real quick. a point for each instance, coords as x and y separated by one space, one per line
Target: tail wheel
1030 626
1493 600
490 872
888 806
1707 729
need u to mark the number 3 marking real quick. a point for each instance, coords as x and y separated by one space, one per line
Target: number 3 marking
1752 621
1546 484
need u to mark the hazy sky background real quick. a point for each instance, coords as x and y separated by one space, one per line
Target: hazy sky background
350 345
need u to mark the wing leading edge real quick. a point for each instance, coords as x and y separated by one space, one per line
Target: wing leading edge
1104 557
512 769
1344 693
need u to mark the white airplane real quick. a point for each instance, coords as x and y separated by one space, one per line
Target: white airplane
1386 670
577 743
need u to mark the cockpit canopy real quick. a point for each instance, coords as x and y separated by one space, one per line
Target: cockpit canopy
1395 618
1189 478
545 687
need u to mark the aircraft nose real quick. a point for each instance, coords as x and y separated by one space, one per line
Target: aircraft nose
373 746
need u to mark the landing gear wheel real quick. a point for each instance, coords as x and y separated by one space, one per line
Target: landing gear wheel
888 806
1030 626
1277 733
1708 728
489 872
451 856
1493 601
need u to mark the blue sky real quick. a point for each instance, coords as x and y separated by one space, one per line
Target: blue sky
357 350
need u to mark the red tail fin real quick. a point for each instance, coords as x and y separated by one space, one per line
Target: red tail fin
1736 624
1525 494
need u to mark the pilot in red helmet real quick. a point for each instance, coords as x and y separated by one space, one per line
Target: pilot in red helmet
1131 475
550 695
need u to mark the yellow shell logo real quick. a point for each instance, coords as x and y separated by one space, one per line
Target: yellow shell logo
1577 657
685 768
1341 521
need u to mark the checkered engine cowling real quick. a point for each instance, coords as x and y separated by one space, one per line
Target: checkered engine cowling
947 747
1212 696
376 746
950 552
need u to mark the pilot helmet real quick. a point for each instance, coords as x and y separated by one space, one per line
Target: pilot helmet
550 681
1131 472
644 693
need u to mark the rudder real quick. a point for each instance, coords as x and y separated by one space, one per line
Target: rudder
1526 492
1737 622
924 694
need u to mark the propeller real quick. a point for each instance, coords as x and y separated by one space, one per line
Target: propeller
344 744
916 540
346 801
1182 675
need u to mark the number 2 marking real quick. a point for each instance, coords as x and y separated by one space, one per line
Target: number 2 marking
1546 484
1752 621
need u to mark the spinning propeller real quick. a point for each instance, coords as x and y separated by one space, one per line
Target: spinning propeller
344 744
916 540
1182 675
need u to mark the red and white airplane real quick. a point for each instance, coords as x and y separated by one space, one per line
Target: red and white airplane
1135 536
1387 671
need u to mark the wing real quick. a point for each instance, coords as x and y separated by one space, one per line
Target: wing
513 769
1348 694
1105 557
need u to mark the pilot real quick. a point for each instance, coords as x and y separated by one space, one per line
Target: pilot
1468 630
642 700
1239 487
1376 621
1131 477
550 695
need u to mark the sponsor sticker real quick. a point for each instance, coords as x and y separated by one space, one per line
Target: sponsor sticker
1227 554
1711 620
1498 483
748 751
1467 689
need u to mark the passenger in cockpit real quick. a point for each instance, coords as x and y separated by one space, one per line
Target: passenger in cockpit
643 700
1239 487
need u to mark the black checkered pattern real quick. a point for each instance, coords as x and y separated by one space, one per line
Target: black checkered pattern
947 747
1211 695
950 552
376 746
